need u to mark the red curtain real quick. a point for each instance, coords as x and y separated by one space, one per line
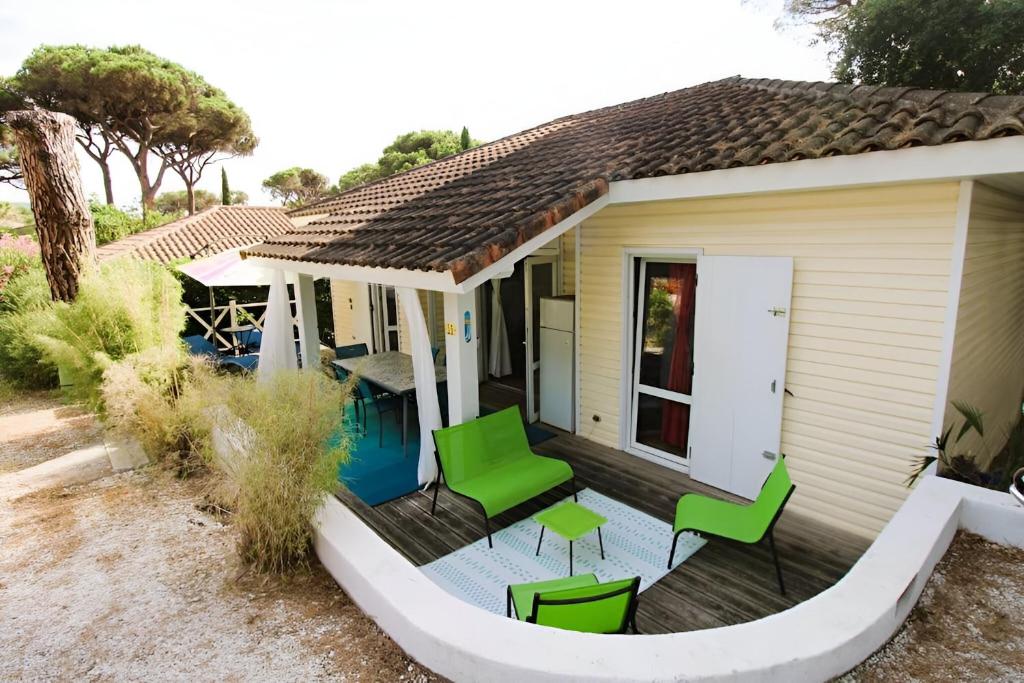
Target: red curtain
675 417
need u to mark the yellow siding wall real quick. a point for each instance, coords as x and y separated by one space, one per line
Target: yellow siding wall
869 296
438 333
988 352
343 294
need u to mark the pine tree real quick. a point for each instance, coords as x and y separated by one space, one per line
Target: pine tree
225 190
464 140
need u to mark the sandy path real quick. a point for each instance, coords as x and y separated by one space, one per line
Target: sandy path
124 578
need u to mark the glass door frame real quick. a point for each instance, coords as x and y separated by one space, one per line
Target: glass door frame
633 304
532 363
382 324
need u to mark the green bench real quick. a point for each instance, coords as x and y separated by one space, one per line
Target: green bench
742 523
489 461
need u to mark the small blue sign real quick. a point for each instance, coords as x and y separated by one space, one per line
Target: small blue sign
467 327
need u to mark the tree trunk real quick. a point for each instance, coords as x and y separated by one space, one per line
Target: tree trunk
190 193
108 186
67 239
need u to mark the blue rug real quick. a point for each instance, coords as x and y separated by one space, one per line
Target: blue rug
378 474
635 544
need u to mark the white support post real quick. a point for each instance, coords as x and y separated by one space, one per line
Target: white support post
460 343
305 308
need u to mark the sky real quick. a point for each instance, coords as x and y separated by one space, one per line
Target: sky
329 84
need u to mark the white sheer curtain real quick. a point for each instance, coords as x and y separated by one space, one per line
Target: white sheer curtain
277 347
499 356
428 408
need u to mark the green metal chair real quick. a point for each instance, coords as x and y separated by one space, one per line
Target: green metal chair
577 603
488 460
743 523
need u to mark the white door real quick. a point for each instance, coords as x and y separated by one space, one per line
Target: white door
743 309
539 281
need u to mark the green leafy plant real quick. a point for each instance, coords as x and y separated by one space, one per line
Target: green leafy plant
290 442
123 308
972 467
24 304
113 223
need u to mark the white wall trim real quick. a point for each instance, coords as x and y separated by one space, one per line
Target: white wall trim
815 640
577 337
956 276
509 260
920 164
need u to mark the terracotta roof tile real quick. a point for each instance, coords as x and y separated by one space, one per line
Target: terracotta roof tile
462 213
210 231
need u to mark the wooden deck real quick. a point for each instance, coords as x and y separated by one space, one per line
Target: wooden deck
722 584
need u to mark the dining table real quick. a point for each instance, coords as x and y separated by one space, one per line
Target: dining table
391 371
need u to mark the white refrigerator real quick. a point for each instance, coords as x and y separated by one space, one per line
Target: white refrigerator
557 361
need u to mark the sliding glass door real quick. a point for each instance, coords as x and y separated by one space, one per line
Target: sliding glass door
662 378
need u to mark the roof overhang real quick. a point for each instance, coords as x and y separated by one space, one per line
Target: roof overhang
953 161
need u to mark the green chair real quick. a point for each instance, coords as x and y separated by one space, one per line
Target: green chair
743 523
489 461
577 603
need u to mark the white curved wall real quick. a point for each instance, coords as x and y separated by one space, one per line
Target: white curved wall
815 640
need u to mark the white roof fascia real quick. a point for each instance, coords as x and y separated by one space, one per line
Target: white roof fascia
398 277
506 263
951 161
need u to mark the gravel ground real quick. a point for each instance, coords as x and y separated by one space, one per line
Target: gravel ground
968 624
124 578
36 426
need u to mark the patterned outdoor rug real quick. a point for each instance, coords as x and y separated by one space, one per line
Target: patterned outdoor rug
635 544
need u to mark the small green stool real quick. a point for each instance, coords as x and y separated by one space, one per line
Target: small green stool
572 522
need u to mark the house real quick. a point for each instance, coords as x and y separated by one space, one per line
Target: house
759 267
209 232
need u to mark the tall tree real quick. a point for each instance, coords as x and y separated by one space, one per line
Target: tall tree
225 189
67 240
964 45
61 78
176 201
295 186
212 129
408 151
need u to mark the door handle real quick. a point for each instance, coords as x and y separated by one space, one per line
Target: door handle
768 455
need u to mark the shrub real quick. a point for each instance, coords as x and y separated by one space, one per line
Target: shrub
113 223
24 306
290 452
18 254
123 308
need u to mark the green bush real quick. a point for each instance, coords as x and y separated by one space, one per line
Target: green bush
125 307
291 432
24 308
113 223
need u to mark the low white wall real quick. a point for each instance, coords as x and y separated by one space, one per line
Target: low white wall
815 640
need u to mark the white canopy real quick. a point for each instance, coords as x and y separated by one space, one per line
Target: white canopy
229 269
277 348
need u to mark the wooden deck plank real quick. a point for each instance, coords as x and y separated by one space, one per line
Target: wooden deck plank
723 583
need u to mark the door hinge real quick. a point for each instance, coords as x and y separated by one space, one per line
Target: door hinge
768 455
777 312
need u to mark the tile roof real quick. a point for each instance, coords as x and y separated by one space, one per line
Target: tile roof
464 212
210 231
